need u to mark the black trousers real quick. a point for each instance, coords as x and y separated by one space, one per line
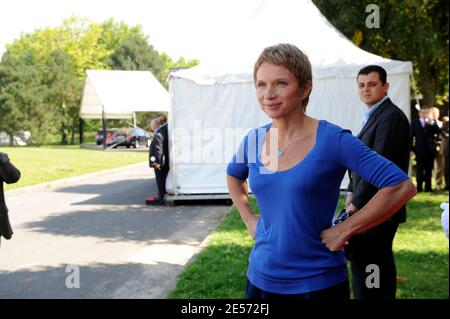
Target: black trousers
337 293
160 175
373 247
424 169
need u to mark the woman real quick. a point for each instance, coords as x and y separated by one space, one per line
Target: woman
295 165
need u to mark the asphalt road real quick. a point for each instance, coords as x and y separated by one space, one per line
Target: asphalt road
97 239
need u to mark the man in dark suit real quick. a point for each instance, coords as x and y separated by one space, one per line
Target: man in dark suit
159 159
445 137
386 130
8 174
424 139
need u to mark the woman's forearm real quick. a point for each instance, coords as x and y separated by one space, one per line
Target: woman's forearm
239 195
381 207
386 202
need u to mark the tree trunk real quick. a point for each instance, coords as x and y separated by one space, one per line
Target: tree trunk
63 134
428 90
11 139
81 130
72 135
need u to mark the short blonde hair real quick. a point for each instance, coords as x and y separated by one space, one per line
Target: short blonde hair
293 59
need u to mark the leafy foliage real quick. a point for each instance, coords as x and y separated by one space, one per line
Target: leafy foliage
135 53
412 30
23 100
42 73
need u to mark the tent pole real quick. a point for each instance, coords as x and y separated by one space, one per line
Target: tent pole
134 119
81 128
172 159
104 126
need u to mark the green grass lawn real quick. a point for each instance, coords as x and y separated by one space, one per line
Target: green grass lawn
421 251
45 164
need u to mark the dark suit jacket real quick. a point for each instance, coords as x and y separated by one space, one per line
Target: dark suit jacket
159 148
387 132
424 139
445 136
8 174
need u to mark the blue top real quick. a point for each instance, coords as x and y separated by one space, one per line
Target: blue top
297 204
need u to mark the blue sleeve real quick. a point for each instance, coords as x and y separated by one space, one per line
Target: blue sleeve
371 166
238 166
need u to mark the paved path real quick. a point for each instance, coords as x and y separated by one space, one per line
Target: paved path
123 248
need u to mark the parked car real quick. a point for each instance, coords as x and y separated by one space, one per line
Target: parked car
109 133
135 137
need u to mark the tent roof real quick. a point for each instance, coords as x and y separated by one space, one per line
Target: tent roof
287 21
121 93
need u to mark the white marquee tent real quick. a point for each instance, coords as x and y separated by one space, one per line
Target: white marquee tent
119 94
214 104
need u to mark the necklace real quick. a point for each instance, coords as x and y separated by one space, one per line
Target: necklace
281 152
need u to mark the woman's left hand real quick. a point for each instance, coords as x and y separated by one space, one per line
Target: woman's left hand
334 238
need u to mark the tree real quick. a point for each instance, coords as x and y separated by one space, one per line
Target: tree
413 30
135 53
64 91
23 104
61 55
45 70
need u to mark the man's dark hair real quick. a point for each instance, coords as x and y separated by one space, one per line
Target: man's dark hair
162 118
374 68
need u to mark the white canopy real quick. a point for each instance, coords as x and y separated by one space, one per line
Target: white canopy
219 95
292 21
121 93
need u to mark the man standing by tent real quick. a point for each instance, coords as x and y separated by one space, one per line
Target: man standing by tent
159 159
386 130
162 118
424 139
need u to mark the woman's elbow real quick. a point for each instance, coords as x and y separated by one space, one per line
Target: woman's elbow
408 190
231 181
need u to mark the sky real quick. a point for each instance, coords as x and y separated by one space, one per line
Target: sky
178 27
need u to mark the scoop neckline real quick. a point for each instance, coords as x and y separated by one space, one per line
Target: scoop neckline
318 129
